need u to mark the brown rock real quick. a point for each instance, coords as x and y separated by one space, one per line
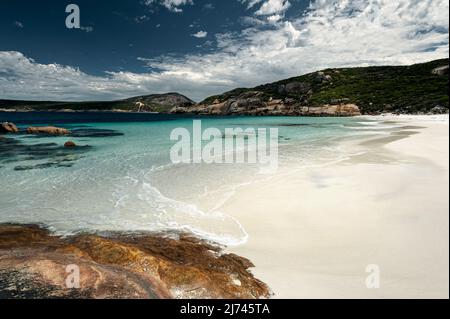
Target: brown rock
334 110
348 110
274 102
121 266
51 130
217 109
70 144
7 127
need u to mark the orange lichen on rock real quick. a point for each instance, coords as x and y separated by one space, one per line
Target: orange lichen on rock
121 266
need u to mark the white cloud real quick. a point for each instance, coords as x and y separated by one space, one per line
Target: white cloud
333 33
25 79
200 34
268 7
273 7
172 5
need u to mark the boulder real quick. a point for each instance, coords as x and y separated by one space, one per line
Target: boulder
442 70
34 264
51 130
273 102
217 108
304 110
7 127
178 110
254 102
348 110
237 106
321 77
324 110
289 101
334 110
298 88
439 110
70 144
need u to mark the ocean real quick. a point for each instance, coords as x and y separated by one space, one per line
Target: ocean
121 176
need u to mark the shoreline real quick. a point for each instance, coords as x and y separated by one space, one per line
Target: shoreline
381 115
312 231
317 230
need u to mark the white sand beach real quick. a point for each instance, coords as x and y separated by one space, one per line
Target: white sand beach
312 232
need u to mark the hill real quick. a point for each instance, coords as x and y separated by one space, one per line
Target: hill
420 88
146 103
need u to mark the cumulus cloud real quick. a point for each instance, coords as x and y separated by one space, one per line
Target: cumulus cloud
200 34
24 79
268 7
332 33
172 5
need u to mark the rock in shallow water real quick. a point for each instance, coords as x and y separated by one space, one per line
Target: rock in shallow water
91 132
14 151
7 127
69 144
121 266
49 130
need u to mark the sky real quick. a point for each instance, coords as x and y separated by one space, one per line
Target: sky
203 47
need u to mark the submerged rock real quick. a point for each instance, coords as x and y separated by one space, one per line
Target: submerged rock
92 132
35 264
50 130
48 154
7 127
69 144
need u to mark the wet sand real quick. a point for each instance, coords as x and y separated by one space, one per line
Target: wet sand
313 232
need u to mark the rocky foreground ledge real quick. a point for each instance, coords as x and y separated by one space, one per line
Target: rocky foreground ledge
36 264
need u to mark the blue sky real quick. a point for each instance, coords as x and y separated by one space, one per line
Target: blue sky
122 31
203 47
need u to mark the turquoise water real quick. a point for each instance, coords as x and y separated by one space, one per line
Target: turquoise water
122 179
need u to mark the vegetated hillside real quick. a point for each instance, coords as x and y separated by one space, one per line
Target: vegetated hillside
418 88
146 103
